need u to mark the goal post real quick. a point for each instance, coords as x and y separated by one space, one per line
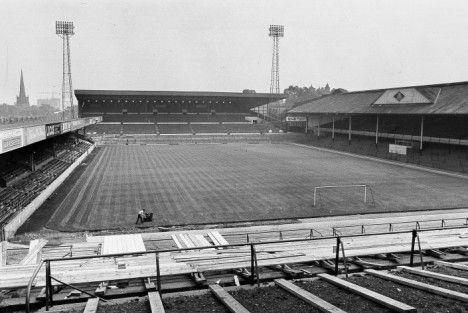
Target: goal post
341 186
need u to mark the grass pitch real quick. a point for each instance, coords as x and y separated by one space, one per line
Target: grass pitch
195 184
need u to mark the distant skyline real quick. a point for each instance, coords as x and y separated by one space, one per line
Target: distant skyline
224 45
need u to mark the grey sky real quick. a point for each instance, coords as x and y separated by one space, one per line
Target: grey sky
224 45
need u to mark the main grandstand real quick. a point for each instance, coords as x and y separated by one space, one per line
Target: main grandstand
172 112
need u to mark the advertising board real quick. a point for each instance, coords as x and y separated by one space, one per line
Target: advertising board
34 134
11 139
53 129
296 119
77 124
397 149
66 127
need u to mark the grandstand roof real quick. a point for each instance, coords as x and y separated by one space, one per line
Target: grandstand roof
142 93
451 98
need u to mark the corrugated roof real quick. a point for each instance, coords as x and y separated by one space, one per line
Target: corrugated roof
145 93
445 99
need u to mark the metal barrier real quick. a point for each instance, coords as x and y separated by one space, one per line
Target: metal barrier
253 257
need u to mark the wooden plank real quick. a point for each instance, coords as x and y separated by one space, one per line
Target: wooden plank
214 239
390 303
195 240
444 277
35 248
155 302
418 285
91 305
123 244
311 299
202 240
452 265
232 304
219 237
101 289
177 242
185 241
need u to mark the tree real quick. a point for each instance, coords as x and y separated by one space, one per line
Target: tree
336 91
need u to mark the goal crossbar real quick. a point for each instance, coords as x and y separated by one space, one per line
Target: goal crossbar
340 186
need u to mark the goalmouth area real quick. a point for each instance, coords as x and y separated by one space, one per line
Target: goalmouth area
220 183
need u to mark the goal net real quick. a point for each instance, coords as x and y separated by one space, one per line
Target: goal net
358 195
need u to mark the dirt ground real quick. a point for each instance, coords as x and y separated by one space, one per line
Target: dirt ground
200 184
433 281
195 304
137 305
424 302
448 271
341 298
270 299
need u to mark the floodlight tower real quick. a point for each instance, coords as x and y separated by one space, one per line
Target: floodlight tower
276 31
65 30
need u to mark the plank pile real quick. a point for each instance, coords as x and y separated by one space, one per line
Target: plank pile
210 259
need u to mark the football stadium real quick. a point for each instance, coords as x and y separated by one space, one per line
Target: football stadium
209 201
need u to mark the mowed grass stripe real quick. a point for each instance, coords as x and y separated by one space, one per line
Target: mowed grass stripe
187 184
63 210
64 216
91 199
91 193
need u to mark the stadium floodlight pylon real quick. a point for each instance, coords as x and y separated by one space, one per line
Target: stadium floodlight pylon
65 30
276 32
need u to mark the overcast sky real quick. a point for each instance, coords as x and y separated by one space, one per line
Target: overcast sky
218 45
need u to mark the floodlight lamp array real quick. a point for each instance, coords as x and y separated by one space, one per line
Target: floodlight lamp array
276 31
64 28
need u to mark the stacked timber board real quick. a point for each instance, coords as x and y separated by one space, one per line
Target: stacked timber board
225 258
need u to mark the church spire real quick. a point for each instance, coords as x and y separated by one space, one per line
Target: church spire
22 99
22 93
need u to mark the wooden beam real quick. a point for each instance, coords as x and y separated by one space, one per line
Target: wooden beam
366 264
101 289
177 242
311 299
155 302
149 286
232 304
452 265
35 248
449 278
390 303
91 305
422 286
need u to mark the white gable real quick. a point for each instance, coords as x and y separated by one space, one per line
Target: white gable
402 96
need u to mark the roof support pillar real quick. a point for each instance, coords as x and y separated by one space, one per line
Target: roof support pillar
349 130
377 130
333 127
318 126
422 133
31 161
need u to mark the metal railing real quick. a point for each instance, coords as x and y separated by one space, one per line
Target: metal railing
338 230
253 257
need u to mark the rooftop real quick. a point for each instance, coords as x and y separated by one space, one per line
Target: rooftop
449 98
